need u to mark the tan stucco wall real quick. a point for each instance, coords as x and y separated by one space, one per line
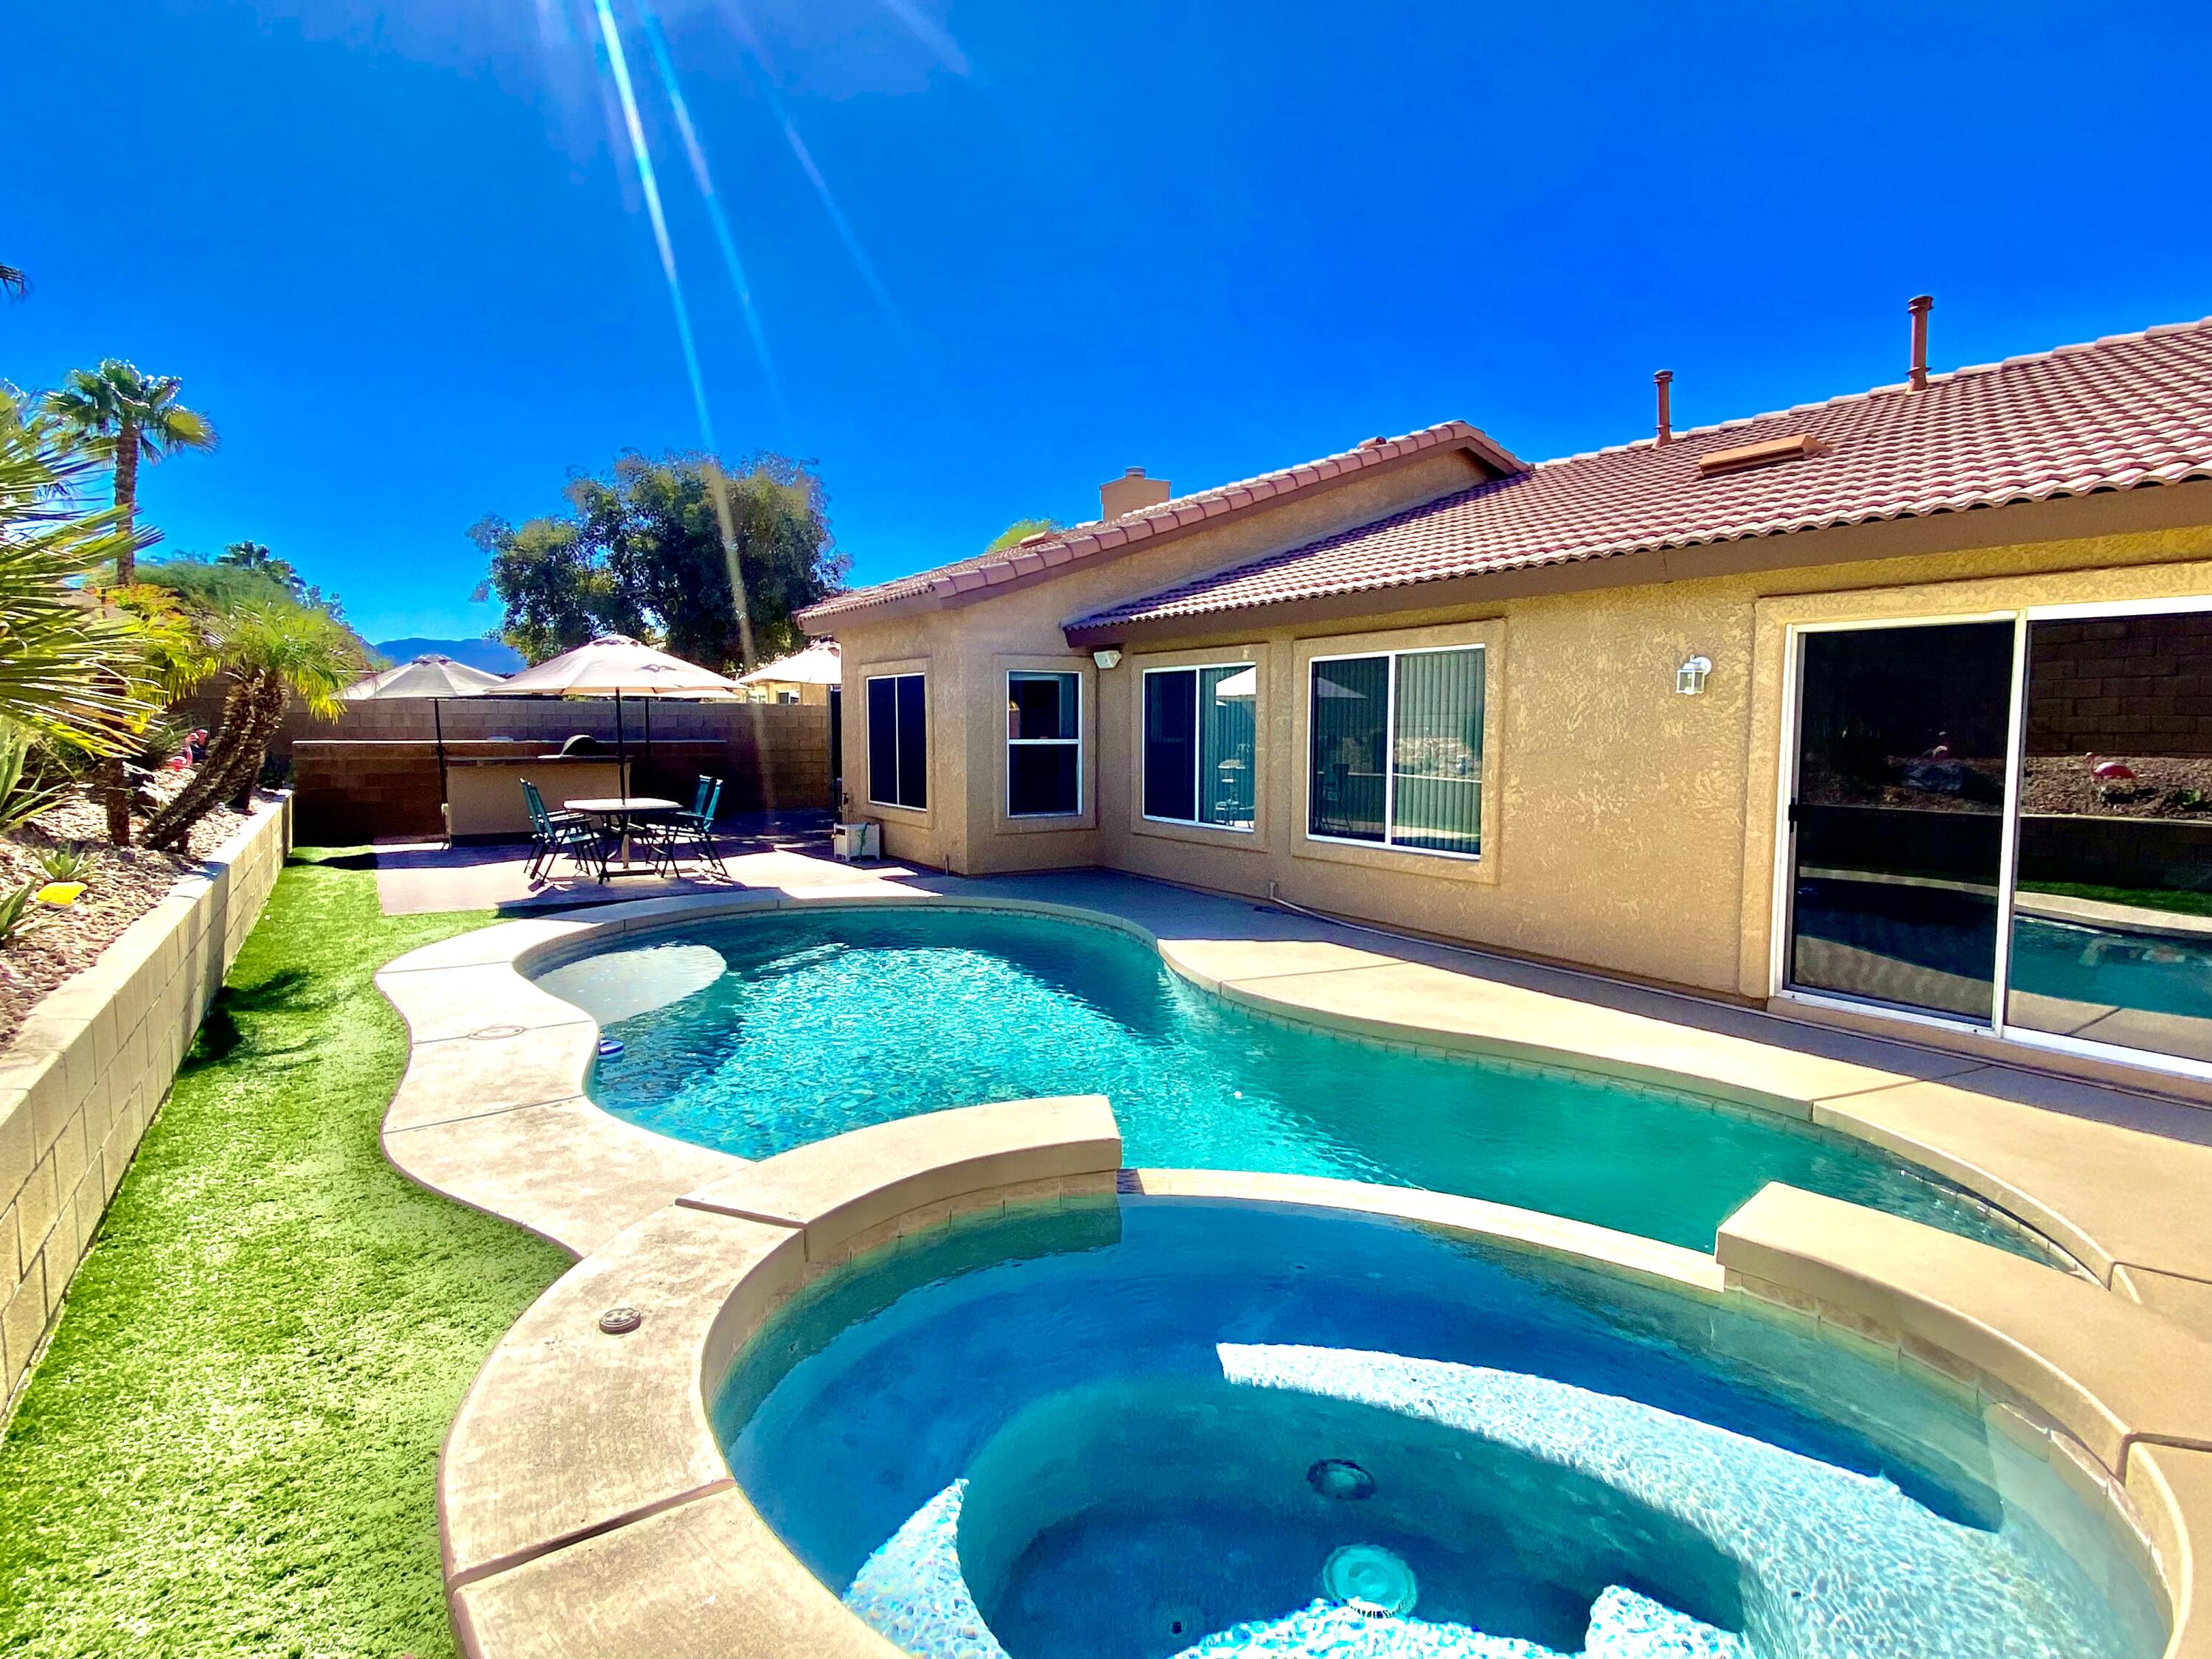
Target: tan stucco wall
966 650
1625 827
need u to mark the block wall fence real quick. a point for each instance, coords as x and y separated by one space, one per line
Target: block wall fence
91 1066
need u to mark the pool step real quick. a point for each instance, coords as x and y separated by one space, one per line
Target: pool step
1626 1626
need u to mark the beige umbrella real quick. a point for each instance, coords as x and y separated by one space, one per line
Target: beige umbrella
818 664
616 666
429 676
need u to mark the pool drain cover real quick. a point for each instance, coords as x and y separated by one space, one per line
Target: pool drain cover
1339 1477
1370 1580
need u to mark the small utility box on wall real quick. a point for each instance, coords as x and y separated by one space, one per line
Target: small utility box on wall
851 841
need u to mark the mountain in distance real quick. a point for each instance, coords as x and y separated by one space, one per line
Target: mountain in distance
493 656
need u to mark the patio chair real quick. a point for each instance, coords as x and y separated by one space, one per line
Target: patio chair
554 834
669 833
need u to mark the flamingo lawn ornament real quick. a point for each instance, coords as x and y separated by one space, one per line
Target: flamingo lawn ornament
2109 771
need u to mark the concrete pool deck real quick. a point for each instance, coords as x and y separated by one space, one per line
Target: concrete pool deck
2115 1376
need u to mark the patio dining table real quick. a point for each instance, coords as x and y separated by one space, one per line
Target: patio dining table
615 816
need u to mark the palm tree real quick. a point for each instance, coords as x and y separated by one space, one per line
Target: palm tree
125 417
70 672
13 283
273 653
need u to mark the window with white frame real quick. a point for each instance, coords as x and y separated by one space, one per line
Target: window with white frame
1044 744
1396 757
1199 745
898 741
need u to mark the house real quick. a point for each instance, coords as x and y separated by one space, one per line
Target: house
1895 708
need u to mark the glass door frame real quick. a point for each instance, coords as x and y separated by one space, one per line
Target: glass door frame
1785 851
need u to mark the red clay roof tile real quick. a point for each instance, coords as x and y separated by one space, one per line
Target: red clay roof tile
2113 414
1086 540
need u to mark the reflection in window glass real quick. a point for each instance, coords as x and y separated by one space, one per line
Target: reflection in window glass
1899 815
1044 744
898 746
1347 792
1427 709
1199 742
2112 931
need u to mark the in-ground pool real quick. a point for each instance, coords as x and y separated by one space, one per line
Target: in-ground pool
1138 1427
765 1033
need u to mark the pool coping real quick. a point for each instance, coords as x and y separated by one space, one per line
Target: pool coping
488 1044
585 1505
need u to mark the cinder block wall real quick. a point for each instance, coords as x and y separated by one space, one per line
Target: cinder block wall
373 772
89 1070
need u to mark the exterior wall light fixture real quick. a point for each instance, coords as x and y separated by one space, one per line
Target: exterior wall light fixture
1107 658
1690 677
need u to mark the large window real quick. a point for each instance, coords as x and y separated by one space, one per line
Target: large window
898 742
1044 744
1397 750
1199 745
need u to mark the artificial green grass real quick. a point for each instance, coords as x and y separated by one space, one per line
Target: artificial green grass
229 1448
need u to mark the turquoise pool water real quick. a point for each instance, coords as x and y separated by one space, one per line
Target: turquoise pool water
1142 1427
758 1035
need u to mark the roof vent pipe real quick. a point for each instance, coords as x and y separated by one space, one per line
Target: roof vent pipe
1920 305
1664 380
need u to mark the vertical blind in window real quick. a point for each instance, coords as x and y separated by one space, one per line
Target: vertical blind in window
898 742
1397 750
1200 735
1044 744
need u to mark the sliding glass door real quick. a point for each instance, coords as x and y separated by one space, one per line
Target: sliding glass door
2112 920
1899 814
2007 823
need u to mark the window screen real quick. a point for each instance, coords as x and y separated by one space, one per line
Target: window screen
898 741
1200 734
1044 744
1397 750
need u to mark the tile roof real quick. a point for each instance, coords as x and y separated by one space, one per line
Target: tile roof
2129 409
1087 540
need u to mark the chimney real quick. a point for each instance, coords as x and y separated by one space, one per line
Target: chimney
1920 305
1131 490
1664 380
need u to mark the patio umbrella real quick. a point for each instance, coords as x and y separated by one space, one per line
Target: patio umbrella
429 676
615 665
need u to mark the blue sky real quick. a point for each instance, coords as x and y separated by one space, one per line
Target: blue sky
399 251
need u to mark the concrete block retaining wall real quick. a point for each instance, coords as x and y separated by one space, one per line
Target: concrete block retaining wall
90 1067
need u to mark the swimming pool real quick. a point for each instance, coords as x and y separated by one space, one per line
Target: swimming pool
1138 1427
760 1034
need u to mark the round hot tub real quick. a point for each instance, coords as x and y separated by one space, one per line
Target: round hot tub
1137 1427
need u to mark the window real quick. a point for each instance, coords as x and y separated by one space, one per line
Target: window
1199 745
898 742
1397 750
1044 744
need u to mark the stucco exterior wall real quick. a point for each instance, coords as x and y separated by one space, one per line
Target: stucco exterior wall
1625 827
966 650
89 1068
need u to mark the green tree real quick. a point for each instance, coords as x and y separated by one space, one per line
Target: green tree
273 653
648 549
124 418
1019 531
13 283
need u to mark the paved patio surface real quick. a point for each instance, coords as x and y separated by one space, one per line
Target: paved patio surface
788 849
